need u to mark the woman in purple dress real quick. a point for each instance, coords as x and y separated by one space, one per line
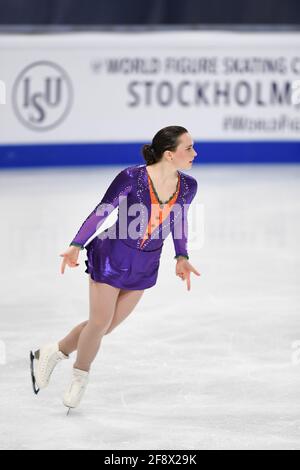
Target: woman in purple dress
123 260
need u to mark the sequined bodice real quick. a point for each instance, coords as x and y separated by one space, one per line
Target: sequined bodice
155 222
159 211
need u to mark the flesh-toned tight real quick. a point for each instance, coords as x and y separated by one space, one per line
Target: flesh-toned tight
109 306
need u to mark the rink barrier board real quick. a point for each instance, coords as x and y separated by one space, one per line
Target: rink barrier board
40 155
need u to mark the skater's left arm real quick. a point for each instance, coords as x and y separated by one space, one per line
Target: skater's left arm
180 239
184 270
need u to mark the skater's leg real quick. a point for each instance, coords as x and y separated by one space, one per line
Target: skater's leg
69 344
127 301
103 299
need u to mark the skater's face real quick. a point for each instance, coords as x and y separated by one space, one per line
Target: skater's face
185 153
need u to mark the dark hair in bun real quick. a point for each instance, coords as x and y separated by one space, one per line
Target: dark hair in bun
165 139
149 154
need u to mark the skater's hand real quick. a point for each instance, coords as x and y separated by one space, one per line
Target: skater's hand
184 270
70 257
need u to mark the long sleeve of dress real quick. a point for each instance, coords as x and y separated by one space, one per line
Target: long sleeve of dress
180 227
120 186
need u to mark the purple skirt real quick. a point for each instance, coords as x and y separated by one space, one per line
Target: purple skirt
113 262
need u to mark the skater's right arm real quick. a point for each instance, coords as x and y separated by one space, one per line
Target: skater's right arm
120 186
70 258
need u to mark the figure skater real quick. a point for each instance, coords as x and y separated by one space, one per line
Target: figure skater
121 261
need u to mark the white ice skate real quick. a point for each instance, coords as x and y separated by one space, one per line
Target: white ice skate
75 390
43 362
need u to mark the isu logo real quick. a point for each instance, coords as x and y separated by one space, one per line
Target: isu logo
42 96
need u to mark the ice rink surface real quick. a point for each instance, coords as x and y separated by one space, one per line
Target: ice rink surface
214 368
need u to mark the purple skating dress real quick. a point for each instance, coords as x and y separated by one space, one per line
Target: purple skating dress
127 254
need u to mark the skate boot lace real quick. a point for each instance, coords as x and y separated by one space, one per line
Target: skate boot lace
79 382
51 362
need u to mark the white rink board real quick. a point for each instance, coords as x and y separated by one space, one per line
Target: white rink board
122 87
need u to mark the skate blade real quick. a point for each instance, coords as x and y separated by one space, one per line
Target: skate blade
35 388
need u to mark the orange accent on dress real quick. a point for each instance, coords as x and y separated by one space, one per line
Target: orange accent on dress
158 215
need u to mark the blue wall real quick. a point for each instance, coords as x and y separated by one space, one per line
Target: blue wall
109 154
